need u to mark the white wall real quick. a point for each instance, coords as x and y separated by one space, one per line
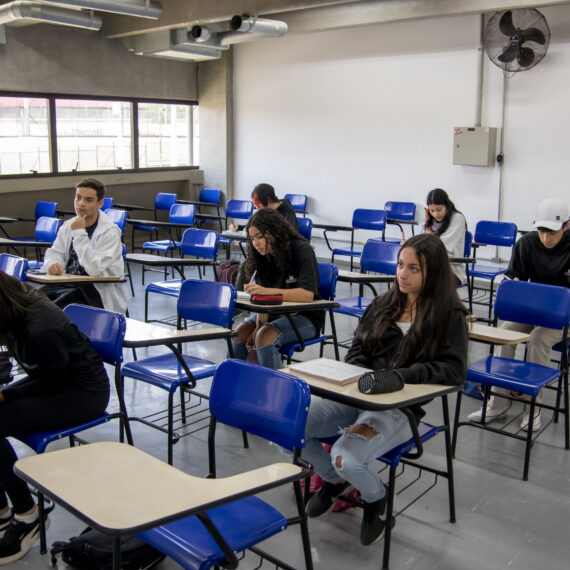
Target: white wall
359 116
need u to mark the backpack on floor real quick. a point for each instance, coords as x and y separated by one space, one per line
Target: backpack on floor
93 550
228 271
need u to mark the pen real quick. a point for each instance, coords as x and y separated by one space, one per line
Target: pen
252 280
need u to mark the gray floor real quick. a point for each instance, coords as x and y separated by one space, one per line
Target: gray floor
502 522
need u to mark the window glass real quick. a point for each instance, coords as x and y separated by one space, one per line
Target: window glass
24 135
164 135
93 135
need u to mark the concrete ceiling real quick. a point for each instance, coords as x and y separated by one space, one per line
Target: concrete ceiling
305 15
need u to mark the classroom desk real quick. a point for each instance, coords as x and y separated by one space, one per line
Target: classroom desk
288 308
120 490
69 278
402 399
133 208
5 220
177 263
239 236
363 279
495 335
167 226
14 243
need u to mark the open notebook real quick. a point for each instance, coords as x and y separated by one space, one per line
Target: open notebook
243 296
330 370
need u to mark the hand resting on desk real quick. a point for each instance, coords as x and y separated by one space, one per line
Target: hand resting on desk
380 382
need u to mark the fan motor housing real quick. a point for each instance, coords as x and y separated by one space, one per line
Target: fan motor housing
474 146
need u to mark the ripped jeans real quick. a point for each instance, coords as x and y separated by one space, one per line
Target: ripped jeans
357 453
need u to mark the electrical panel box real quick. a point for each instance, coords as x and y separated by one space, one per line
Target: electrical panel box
474 146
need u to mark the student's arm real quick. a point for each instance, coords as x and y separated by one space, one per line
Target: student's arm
454 237
297 295
100 256
450 365
58 252
518 264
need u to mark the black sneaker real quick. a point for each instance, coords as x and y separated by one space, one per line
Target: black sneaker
373 521
4 525
323 500
18 539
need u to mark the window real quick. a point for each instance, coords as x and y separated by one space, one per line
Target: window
164 135
54 134
93 135
24 135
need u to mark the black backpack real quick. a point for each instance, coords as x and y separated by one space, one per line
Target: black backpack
93 550
228 271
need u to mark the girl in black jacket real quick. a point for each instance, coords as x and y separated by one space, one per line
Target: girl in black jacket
66 384
416 333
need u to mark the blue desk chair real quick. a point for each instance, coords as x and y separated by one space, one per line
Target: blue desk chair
363 219
277 413
299 202
178 214
42 208
537 305
377 257
400 212
46 230
210 197
119 217
328 274
237 210
162 201
106 331
206 302
202 244
107 203
305 227
501 234
14 266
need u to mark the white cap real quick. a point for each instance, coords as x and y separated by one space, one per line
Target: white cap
551 214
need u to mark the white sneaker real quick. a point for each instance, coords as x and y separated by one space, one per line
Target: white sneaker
495 409
536 422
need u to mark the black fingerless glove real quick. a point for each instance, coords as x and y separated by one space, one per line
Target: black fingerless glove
380 382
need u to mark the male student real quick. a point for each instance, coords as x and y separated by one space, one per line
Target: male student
542 256
263 196
88 244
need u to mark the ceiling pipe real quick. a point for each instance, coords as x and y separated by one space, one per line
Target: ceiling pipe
25 13
139 8
250 29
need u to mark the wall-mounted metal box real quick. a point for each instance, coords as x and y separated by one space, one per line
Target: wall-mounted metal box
474 146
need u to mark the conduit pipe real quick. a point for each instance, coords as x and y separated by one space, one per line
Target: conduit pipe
24 13
139 8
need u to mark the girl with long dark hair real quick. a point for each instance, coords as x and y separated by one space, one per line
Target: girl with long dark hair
443 219
279 260
416 333
66 384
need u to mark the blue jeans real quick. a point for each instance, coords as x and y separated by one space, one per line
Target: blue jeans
357 453
269 356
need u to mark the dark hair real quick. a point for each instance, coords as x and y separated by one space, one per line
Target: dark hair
265 194
94 184
16 299
437 298
279 234
440 198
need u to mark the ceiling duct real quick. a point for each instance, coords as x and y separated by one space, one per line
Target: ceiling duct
138 8
248 29
26 13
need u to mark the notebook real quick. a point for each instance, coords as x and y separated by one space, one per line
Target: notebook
330 370
243 296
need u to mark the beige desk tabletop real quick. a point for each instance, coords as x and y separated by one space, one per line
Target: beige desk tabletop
68 278
357 277
141 334
349 393
122 490
495 335
285 307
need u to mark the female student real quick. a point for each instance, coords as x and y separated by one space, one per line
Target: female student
443 219
66 384
279 260
416 333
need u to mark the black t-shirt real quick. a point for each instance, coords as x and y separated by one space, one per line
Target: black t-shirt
73 266
286 210
532 261
303 272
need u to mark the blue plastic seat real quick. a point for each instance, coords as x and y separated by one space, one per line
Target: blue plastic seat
400 212
328 274
210 197
203 302
364 219
162 201
107 203
237 210
531 304
106 331
377 257
305 227
46 231
278 413
298 201
202 244
501 234
179 214
14 266
119 217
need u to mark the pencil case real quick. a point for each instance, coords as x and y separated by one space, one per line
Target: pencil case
276 299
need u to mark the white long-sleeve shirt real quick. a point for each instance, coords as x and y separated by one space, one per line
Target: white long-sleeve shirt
454 241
